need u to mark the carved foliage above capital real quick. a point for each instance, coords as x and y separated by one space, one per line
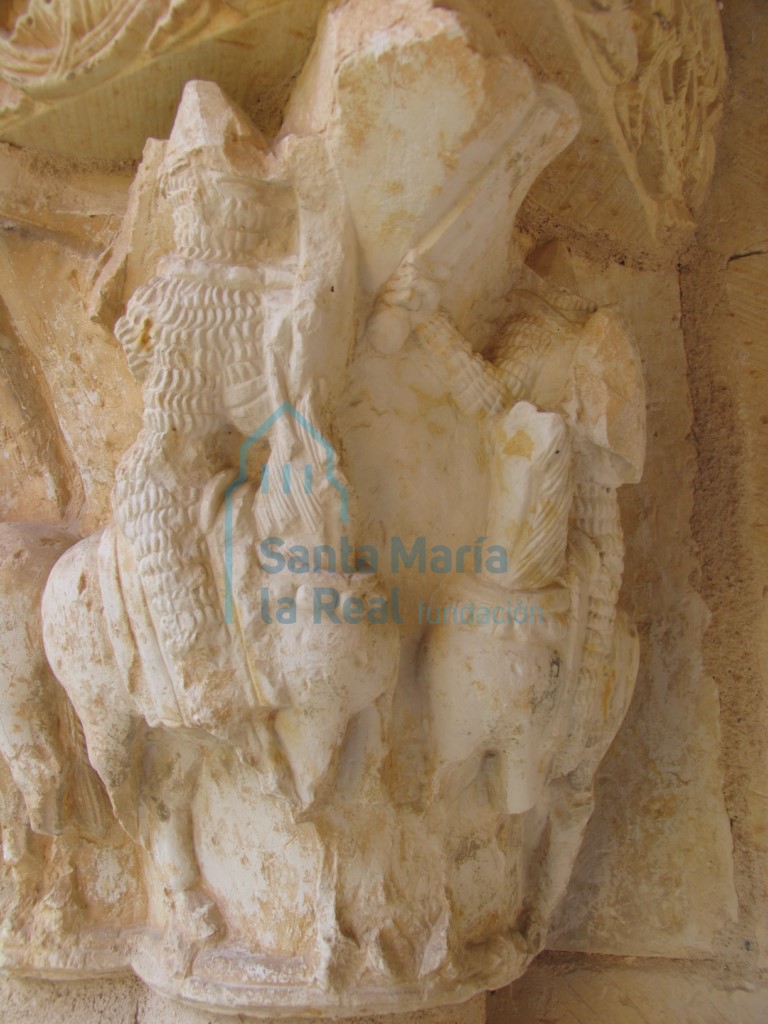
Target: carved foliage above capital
648 79
666 64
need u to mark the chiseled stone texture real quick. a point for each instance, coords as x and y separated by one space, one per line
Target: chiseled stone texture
655 874
607 990
725 302
128 1001
101 101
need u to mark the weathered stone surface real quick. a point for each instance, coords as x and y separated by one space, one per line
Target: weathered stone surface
724 295
122 79
655 875
648 80
128 1001
593 991
259 817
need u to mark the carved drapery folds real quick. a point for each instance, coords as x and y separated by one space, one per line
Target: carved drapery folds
318 711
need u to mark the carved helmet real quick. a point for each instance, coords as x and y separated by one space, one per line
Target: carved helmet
221 178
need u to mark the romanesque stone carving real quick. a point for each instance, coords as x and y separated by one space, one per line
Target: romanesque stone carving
666 66
69 68
334 681
69 904
51 48
648 78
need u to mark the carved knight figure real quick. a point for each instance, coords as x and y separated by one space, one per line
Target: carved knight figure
563 397
521 665
207 334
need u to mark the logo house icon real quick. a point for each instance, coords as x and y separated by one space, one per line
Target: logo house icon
282 479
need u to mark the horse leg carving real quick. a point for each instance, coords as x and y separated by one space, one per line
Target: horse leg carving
80 655
30 698
172 768
150 775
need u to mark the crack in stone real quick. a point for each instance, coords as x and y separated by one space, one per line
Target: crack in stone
744 255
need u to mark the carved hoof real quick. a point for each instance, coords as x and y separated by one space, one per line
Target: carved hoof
195 920
195 917
46 811
19 913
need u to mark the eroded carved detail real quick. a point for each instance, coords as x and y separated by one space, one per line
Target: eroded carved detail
51 48
666 64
